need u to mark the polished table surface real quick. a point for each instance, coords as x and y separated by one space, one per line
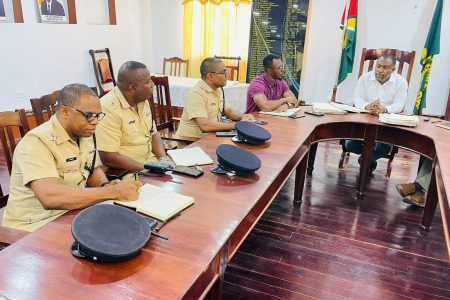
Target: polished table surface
205 237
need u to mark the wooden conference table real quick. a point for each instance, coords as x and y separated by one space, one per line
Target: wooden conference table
205 237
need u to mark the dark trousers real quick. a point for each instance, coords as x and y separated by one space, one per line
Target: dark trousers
379 151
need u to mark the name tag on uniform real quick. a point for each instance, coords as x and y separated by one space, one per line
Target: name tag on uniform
213 104
71 159
132 122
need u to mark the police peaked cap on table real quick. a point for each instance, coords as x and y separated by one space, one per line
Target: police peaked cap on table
109 233
236 160
251 133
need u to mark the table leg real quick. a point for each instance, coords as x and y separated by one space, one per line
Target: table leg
300 175
217 288
311 157
369 143
430 205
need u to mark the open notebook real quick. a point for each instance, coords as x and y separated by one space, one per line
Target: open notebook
445 125
158 203
287 113
328 108
349 108
189 157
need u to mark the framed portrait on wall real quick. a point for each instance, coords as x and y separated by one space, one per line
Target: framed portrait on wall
2 12
52 11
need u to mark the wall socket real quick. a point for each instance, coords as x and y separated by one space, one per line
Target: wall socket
20 94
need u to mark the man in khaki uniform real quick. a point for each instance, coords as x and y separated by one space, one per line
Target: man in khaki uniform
205 109
127 136
54 163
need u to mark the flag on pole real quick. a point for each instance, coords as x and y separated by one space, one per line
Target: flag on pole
348 23
432 47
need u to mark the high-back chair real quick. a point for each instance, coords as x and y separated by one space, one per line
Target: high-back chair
44 105
175 66
232 64
162 112
369 57
11 121
103 70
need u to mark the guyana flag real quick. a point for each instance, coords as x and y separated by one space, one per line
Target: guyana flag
431 48
349 41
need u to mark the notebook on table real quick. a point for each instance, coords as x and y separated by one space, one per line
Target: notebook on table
189 157
398 119
287 113
328 108
158 203
349 108
445 125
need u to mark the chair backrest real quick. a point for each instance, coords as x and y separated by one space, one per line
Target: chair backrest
45 104
176 64
232 64
401 57
8 121
161 105
103 69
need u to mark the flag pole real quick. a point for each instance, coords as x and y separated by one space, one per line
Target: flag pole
347 8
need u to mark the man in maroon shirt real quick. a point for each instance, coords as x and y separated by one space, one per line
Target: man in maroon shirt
269 92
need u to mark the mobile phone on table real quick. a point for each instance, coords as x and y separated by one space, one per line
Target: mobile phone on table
295 116
188 171
314 113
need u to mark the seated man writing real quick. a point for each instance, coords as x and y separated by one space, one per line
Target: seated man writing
127 136
379 91
205 109
55 161
269 91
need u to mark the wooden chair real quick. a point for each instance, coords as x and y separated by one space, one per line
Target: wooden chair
232 64
370 56
8 235
103 69
176 65
44 107
162 111
10 121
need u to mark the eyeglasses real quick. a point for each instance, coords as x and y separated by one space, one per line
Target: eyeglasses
90 116
224 72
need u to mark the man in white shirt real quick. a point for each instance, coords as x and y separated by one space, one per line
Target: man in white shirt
379 91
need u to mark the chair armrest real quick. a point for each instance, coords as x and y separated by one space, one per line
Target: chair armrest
176 119
177 138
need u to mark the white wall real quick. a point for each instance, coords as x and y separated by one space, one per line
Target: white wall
40 58
167 34
37 59
401 24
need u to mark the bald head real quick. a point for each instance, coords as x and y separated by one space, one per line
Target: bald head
129 73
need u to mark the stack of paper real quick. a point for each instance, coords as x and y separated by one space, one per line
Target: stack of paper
328 108
287 113
189 157
397 119
158 203
349 108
